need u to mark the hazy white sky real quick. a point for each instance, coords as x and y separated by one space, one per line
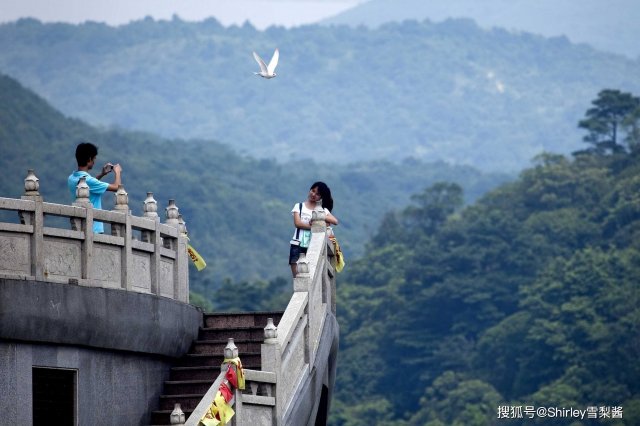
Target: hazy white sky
261 13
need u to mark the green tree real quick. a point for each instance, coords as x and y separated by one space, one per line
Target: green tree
434 205
201 301
454 399
631 125
612 112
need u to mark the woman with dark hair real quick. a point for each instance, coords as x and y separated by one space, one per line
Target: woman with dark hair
318 193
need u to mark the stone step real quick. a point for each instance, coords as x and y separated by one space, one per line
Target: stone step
240 319
162 417
217 346
239 333
187 401
197 360
194 373
185 387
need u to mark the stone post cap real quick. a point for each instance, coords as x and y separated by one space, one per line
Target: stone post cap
231 350
303 266
182 225
318 217
177 416
270 330
172 213
31 184
82 193
121 200
150 206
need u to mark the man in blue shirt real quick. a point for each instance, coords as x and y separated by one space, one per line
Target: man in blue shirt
86 154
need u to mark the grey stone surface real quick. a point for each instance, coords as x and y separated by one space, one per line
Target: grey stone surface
46 253
166 278
260 415
303 407
106 265
62 258
293 365
141 272
15 249
97 317
113 388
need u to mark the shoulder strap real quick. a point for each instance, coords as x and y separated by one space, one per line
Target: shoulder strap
298 229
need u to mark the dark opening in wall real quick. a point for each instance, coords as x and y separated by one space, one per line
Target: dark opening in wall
54 396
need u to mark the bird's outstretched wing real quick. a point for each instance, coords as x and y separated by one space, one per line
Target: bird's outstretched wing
263 66
273 63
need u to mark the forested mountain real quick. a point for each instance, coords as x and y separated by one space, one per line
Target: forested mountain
528 297
237 208
449 91
608 25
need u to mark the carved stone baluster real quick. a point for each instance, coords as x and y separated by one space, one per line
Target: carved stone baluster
270 330
31 192
121 200
230 353
150 207
121 205
231 350
150 210
177 415
270 337
182 226
82 192
34 218
318 216
82 200
31 184
172 213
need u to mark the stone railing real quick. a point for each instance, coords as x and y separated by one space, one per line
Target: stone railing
290 351
141 254
298 356
203 407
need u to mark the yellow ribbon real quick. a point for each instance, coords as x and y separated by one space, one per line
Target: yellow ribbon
219 408
339 256
196 258
236 361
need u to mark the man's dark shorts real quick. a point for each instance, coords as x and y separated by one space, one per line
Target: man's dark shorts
294 253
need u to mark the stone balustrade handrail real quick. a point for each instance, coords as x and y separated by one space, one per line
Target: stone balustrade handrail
291 356
203 406
291 350
141 254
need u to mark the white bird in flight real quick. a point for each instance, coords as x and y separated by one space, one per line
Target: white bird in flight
267 71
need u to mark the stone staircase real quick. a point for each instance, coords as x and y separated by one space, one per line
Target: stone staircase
194 373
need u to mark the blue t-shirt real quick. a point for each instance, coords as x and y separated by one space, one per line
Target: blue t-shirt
96 189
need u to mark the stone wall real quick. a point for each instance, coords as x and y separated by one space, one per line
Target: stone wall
140 254
113 388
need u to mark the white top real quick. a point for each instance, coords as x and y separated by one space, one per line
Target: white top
305 217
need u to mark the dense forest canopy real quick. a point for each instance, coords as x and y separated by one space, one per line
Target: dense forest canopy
528 297
449 91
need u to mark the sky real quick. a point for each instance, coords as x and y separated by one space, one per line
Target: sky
261 13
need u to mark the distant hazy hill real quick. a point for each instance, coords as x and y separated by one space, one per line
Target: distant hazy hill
451 91
237 208
609 25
